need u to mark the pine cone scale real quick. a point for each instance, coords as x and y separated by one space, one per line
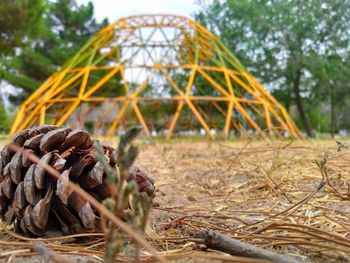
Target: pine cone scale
6 155
3 204
40 171
78 167
27 222
77 138
62 187
59 164
9 215
87 216
19 197
8 187
34 142
26 162
32 194
16 167
52 140
94 177
21 137
83 209
67 217
41 210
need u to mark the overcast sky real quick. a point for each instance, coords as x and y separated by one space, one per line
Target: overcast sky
115 9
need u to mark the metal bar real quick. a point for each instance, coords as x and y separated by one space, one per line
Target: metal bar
101 82
106 115
118 118
169 66
174 121
41 101
86 76
214 83
181 104
18 119
64 85
268 119
206 116
42 115
225 114
141 87
172 83
199 118
140 118
228 119
247 116
68 113
125 84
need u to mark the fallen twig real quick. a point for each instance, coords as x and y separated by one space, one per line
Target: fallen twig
235 247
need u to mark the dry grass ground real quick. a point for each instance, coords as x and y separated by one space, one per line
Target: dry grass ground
264 193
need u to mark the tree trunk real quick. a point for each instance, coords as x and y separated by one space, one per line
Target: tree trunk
333 113
300 106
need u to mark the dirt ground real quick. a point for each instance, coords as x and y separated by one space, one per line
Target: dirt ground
261 192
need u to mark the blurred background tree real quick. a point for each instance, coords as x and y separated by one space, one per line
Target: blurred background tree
5 119
19 21
64 29
298 49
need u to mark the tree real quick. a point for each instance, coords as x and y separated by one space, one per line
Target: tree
19 20
332 84
277 40
67 27
5 118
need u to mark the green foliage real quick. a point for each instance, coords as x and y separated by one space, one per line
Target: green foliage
5 119
295 47
66 27
19 21
123 190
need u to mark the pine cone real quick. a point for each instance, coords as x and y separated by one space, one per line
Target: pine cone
36 201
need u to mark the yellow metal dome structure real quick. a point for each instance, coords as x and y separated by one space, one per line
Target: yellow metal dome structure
164 72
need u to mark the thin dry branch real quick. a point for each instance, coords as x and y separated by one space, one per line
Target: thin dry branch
226 244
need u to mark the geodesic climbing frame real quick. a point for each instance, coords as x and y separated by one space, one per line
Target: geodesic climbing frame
163 71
